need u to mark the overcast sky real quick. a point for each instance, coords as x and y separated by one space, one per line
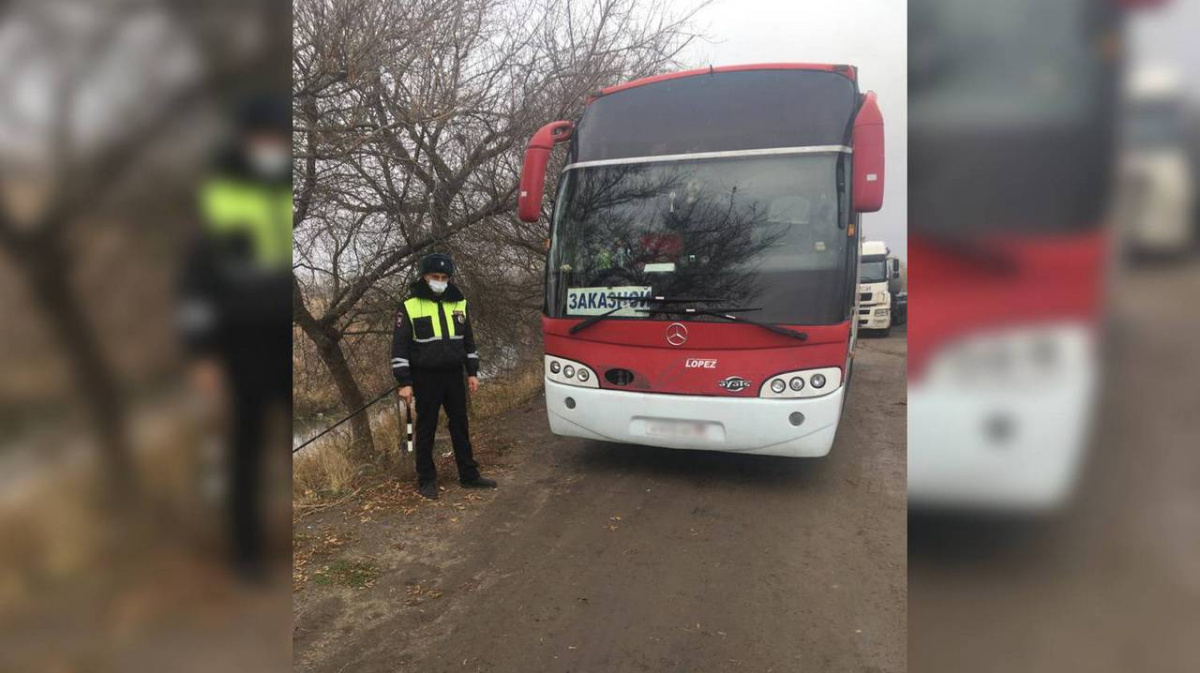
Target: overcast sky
871 34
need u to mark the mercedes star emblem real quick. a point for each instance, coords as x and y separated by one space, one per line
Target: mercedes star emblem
676 334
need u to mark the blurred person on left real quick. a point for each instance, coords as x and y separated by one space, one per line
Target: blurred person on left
235 316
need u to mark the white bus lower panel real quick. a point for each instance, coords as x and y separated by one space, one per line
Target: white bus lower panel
799 428
1003 451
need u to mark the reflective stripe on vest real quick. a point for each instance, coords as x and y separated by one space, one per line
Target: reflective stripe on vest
427 308
263 213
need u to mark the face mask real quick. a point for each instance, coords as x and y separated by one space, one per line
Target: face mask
270 163
438 286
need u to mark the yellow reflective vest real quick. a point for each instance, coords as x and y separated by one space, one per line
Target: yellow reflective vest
433 332
262 213
427 324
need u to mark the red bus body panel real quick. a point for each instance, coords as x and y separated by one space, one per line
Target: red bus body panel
640 346
1053 278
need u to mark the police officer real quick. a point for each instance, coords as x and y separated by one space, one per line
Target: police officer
235 312
431 344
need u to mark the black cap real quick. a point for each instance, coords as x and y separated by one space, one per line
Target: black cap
437 263
265 112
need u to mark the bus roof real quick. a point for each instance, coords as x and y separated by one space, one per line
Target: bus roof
727 110
848 70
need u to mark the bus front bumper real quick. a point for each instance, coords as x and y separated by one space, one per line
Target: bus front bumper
740 425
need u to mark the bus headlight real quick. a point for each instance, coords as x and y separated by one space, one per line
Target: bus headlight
1024 358
806 383
562 370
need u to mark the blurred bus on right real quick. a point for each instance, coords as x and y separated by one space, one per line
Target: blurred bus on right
1013 117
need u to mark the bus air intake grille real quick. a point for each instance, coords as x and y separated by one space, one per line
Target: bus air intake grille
619 377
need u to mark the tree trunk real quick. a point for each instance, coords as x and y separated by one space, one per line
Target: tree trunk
96 383
329 347
328 341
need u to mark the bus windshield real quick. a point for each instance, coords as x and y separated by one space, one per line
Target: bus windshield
1011 110
763 232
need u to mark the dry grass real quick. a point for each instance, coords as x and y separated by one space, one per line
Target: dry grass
322 471
507 392
307 401
325 472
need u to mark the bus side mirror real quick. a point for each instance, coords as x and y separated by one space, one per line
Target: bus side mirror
868 156
533 173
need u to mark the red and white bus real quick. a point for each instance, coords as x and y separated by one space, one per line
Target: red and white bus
701 282
1012 119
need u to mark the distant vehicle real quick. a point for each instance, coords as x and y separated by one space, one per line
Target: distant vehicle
879 273
900 308
1156 202
700 282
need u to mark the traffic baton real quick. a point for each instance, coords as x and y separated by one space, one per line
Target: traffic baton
408 426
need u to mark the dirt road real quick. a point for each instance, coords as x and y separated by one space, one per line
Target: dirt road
595 557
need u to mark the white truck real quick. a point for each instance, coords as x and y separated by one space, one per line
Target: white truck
877 269
1157 185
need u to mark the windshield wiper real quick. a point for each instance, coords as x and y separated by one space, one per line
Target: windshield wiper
648 300
727 314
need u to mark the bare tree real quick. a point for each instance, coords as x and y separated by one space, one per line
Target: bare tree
411 119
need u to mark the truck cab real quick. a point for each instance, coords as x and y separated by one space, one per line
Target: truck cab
1156 197
877 271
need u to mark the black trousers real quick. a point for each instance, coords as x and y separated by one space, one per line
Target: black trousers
437 389
260 379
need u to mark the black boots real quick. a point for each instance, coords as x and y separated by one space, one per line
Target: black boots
478 482
430 490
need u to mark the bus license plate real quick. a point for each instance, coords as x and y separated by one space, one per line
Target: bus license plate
676 429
